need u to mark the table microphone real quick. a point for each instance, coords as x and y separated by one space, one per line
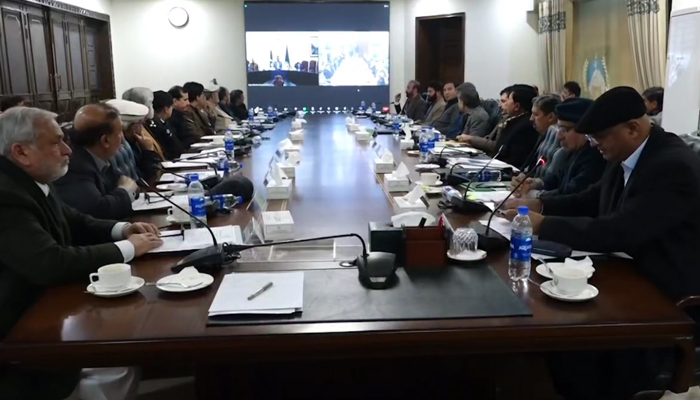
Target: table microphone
211 258
442 162
465 206
487 241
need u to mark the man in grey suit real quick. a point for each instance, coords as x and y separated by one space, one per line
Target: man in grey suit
477 119
451 113
415 106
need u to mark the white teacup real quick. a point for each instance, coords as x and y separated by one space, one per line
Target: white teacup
570 281
177 214
112 276
429 178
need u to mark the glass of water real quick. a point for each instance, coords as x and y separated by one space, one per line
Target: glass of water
464 240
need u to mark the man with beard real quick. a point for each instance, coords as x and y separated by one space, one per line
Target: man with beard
415 106
44 243
437 103
451 113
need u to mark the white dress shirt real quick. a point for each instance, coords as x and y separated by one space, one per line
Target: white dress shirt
125 247
631 161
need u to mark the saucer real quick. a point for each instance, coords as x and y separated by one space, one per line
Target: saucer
171 219
177 187
438 183
550 290
192 283
432 190
542 270
467 256
134 285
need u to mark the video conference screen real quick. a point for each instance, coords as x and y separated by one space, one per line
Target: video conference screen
317 54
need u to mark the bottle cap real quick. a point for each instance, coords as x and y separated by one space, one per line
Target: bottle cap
523 210
194 177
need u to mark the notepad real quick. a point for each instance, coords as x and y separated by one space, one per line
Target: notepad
198 163
168 177
286 296
195 239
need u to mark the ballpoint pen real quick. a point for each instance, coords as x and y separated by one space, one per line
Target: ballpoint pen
260 291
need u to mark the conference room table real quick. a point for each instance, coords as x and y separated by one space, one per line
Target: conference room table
335 191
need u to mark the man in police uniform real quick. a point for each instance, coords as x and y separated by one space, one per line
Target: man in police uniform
160 127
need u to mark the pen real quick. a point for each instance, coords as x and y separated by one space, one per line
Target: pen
260 291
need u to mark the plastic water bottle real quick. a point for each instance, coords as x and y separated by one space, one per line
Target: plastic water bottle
448 193
229 145
424 146
224 166
198 207
520 246
374 106
226 201
251 115
362 105
269 112
434 137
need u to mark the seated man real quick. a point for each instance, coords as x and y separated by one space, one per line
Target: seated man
93 184
476 118
240 110
654 100
225 102
181 120
583 165
570 90
159 126
415 106
544 119
11 101
44 243
219 119
144 96
437 103
451 113
516 136
647 204
198 121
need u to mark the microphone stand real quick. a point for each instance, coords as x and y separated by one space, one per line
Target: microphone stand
442 162
465 206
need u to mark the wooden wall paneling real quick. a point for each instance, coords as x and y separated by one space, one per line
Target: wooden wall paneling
105 61
15 55
80 93
41 57
92 62
61 62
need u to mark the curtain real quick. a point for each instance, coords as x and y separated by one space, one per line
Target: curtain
647 27
552 47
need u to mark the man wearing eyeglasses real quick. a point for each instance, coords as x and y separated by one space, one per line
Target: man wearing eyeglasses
647 204
583 165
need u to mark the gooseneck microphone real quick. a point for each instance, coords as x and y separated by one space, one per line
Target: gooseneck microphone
476 177
462 204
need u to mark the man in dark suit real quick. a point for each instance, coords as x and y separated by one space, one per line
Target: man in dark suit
159 126
45 243
582 165
93 185
181 121
647 204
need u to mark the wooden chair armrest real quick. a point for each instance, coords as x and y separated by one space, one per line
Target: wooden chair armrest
687 302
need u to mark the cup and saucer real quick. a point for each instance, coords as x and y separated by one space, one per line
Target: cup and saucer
114 280
570 285
467 255
430 179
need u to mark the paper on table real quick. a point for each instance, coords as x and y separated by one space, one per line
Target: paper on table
215 150
286 295
168 177
198 163
496 197
402 171
387 157
500 225
480 162
414 195
447 150
199 155
195 239
578 253
156 203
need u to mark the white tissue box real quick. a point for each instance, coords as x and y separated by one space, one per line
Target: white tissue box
279 191
402 206
277 225
296 136
289 170
406 144
292 149
353 127
363 136
383 167
396 184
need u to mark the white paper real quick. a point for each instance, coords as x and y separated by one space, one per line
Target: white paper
285 144
214 150
195 239
387 157
401 171
168 177
284 297
156 202
500 225
199 156
198 163
414 195
496 196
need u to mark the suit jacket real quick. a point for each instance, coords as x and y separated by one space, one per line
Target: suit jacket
92 191
38 239
240 111
169 142
477 122
655 218
448 116
434 112
414 108
181 124
518 138
583 168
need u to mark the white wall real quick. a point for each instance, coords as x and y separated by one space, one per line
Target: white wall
150 52
500 44
681 4
102 6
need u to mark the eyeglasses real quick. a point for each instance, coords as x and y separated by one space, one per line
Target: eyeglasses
150 199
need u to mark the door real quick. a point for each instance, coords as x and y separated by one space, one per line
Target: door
91 58
61 62
440 39
40 57
16 57
80 93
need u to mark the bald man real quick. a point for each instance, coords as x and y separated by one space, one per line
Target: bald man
93 185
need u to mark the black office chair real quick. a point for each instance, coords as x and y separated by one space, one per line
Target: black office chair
493 109
692 140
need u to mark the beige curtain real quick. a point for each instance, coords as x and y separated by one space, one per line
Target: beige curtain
647 27
552 30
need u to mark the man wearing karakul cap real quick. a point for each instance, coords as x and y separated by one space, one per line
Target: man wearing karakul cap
647 205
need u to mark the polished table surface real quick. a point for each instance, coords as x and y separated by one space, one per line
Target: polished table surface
335 191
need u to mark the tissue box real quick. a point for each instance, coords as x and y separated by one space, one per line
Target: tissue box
406 144
279 191
296 135
383 167
292 149
402 206
363 136
277 225
288 170
353 127
395 184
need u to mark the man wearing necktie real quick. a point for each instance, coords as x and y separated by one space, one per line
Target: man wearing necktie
647 205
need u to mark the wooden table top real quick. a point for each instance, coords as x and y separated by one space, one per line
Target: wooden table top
335 191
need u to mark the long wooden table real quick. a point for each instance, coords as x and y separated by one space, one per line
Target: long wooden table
335 191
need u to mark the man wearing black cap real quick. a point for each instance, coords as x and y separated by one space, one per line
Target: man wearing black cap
583 165
647 204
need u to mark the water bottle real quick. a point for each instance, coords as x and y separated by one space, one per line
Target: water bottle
448 193
256 140
226 201
489 175
269 112
251 115
520 246
224 166
198 207
424 146
433 137
229 145
362 105
374 106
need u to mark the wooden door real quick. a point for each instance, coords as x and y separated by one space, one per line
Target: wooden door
40 57
440 48
15 58
61 62
92 60
80 92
